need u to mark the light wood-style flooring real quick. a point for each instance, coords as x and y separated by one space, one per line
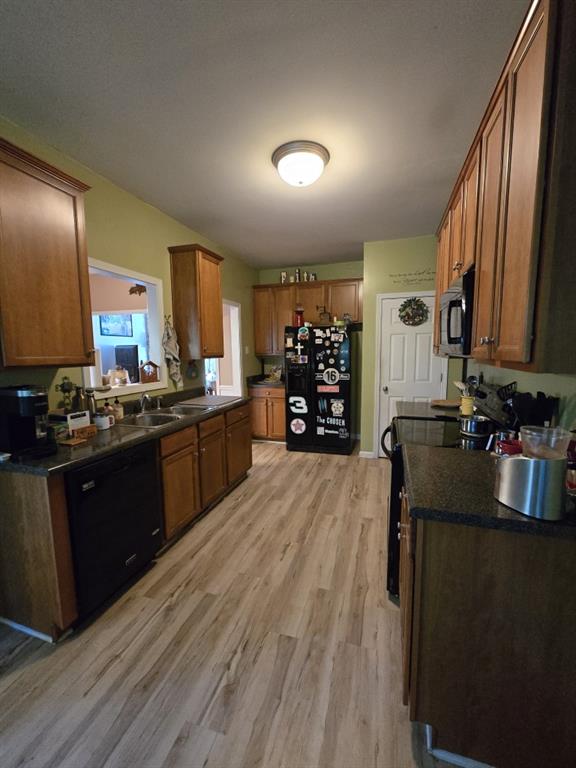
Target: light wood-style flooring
264 637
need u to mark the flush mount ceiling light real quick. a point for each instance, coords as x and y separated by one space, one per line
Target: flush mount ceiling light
300 163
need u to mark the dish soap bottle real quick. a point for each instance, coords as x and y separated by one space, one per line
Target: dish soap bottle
118 410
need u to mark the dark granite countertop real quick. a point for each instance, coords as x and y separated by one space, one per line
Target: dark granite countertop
406 409
258 381
108 442
455 486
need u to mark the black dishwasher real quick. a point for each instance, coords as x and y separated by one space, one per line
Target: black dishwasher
115 522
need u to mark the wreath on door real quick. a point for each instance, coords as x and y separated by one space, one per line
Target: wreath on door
413 311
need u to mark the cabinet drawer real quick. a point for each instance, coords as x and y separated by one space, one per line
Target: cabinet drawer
208 427
237 414
178 441
267 392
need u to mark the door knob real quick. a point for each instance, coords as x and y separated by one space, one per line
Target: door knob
385 390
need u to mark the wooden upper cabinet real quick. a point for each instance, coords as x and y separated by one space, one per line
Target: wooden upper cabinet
345 297
284 302
470 185
274 307
442 273
312 297
455 263
517 272
522 244
197 301
489 231
263 325
45 316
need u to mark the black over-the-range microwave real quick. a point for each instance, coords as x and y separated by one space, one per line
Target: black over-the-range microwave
456 316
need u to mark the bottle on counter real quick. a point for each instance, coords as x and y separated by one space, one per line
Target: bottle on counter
118 410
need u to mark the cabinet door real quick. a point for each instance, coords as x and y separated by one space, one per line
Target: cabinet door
284 304
277 418
470 216
263 330
489 234
238 449
259 417
181 489
44 291
455 262
212 467
210 303
312 297
345 298
517 272
406 594
442 264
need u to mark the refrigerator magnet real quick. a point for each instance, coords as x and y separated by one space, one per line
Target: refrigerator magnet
298 426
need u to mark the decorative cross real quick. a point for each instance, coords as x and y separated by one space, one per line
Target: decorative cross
299 348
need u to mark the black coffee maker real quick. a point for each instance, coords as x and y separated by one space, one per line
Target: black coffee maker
24 420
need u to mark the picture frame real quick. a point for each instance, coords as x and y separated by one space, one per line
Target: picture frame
116 325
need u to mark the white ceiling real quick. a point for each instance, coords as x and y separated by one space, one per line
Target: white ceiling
183 101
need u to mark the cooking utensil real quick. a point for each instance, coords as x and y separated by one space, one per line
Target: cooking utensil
476 426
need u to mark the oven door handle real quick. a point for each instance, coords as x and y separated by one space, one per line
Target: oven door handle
385 449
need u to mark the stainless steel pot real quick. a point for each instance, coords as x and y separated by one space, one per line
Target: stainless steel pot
476 426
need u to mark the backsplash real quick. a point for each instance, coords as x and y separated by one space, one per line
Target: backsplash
555 385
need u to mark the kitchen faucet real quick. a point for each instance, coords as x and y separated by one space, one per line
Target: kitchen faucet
145 402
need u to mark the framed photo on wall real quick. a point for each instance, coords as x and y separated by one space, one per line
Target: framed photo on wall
116 325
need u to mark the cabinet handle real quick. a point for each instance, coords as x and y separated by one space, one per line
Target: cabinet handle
202 450
489 341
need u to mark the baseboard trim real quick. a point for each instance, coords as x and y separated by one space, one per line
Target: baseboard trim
368 455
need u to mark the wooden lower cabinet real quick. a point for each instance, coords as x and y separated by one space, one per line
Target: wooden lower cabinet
238 450
276 418
37 586
259 416
406 593
268 413
200 462
488 629
180 479
212 467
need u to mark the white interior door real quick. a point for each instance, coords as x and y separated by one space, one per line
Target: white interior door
409 370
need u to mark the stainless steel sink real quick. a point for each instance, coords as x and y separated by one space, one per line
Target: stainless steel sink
148 420
188 410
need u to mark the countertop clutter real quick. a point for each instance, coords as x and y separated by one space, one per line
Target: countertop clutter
117 438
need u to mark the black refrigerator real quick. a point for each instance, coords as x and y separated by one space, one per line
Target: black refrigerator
318 365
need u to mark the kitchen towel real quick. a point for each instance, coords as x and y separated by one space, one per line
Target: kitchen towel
172 353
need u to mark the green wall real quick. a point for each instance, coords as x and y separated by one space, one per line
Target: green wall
390 266
126 231
336 271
